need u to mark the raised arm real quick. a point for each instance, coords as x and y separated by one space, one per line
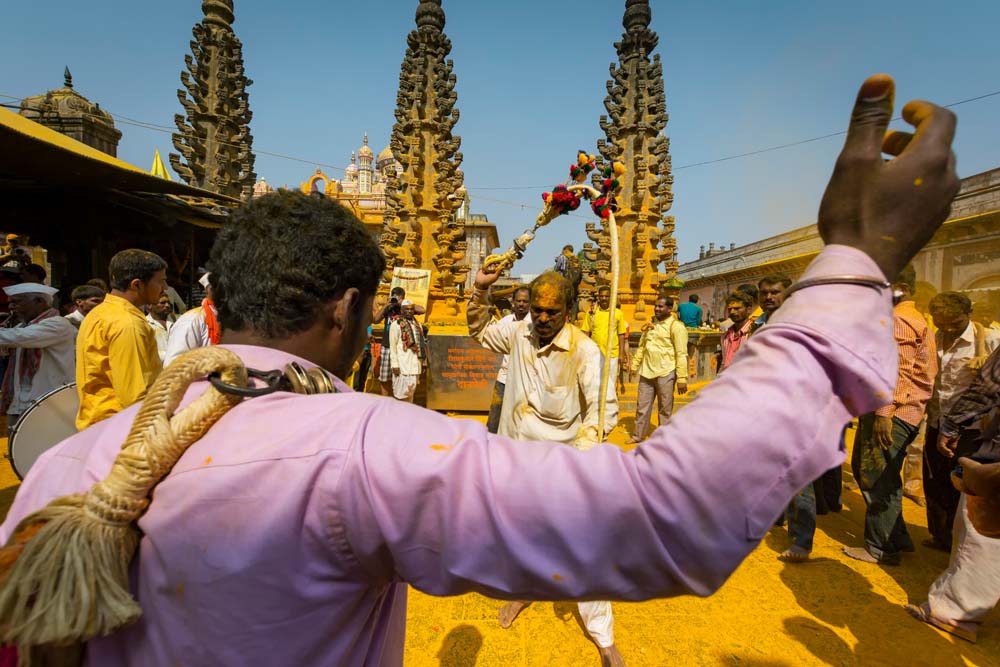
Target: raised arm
494 336
456 509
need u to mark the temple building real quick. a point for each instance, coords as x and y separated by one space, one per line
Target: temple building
68 112
362 188
963 256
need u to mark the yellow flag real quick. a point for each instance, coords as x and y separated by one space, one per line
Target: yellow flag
159 169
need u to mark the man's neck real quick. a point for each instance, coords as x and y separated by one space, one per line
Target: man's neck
161 320
131 297
520 317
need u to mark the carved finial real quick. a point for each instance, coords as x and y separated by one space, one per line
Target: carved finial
366 138
353 160
637 15
430 15
218 12
67 78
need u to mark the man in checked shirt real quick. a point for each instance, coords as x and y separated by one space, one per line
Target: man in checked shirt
884 435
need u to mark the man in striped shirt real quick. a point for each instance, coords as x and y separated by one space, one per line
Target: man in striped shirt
884 435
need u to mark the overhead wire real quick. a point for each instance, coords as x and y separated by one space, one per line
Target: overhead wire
169 130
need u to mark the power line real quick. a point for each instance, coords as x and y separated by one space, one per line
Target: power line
168 130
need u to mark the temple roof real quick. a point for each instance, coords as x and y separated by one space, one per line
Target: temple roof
66 103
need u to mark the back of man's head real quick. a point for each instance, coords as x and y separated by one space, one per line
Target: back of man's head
286 254
134 264
693 299
99 283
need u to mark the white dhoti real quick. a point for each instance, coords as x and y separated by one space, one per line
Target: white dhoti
598 620
611 404
404 387
970 587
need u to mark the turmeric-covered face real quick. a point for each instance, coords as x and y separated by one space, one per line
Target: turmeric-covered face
548 311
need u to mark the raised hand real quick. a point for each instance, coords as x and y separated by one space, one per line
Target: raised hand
889 209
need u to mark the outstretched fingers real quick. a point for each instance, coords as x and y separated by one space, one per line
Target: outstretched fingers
870 118
935 130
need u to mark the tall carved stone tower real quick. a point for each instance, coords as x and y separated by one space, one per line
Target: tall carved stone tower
214 134
637 116
421 229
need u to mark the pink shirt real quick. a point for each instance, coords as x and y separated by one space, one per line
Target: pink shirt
282 536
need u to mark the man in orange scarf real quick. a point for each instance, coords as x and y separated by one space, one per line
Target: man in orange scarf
199 327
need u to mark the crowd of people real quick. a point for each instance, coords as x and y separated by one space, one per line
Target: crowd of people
112 342
288 532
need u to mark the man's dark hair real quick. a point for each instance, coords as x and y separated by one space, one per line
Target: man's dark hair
739 296
286 254
908 276
750 291
86 292
35 272
693 298
568 247
522 288
99 283
950 304
604 288
775 279
397 291
133 264
670 301
556 280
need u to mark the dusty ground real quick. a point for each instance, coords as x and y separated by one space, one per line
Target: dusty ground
830 611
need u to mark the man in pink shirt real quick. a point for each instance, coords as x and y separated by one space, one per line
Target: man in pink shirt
288 533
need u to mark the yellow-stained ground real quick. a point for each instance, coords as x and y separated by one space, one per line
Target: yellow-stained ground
829 611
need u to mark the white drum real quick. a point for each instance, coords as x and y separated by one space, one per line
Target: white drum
50 420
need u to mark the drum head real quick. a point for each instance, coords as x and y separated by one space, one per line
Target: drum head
50 420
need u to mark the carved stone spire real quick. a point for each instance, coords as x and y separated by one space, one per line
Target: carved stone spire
421 229
214 133
637 117
67 78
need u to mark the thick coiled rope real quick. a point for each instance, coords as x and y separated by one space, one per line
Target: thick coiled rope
64 573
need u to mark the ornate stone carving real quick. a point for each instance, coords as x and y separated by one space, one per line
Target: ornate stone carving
633 127
421 227
67 111
214 132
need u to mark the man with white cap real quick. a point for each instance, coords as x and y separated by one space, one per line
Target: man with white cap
198 327
44 356
407 350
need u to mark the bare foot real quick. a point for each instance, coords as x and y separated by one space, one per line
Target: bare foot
794 554
510 611
610 657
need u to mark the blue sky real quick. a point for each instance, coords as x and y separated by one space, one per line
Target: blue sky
739 76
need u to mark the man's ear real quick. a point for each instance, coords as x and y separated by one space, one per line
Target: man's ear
135 285
345 309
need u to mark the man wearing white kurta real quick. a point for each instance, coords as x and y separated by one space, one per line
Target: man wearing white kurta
191 330
551 393
44 357
405 359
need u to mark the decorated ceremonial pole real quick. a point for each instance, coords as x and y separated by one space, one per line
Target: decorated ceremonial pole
560 201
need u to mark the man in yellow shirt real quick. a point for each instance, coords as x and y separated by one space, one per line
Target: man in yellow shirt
116 355
662 362
596 326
